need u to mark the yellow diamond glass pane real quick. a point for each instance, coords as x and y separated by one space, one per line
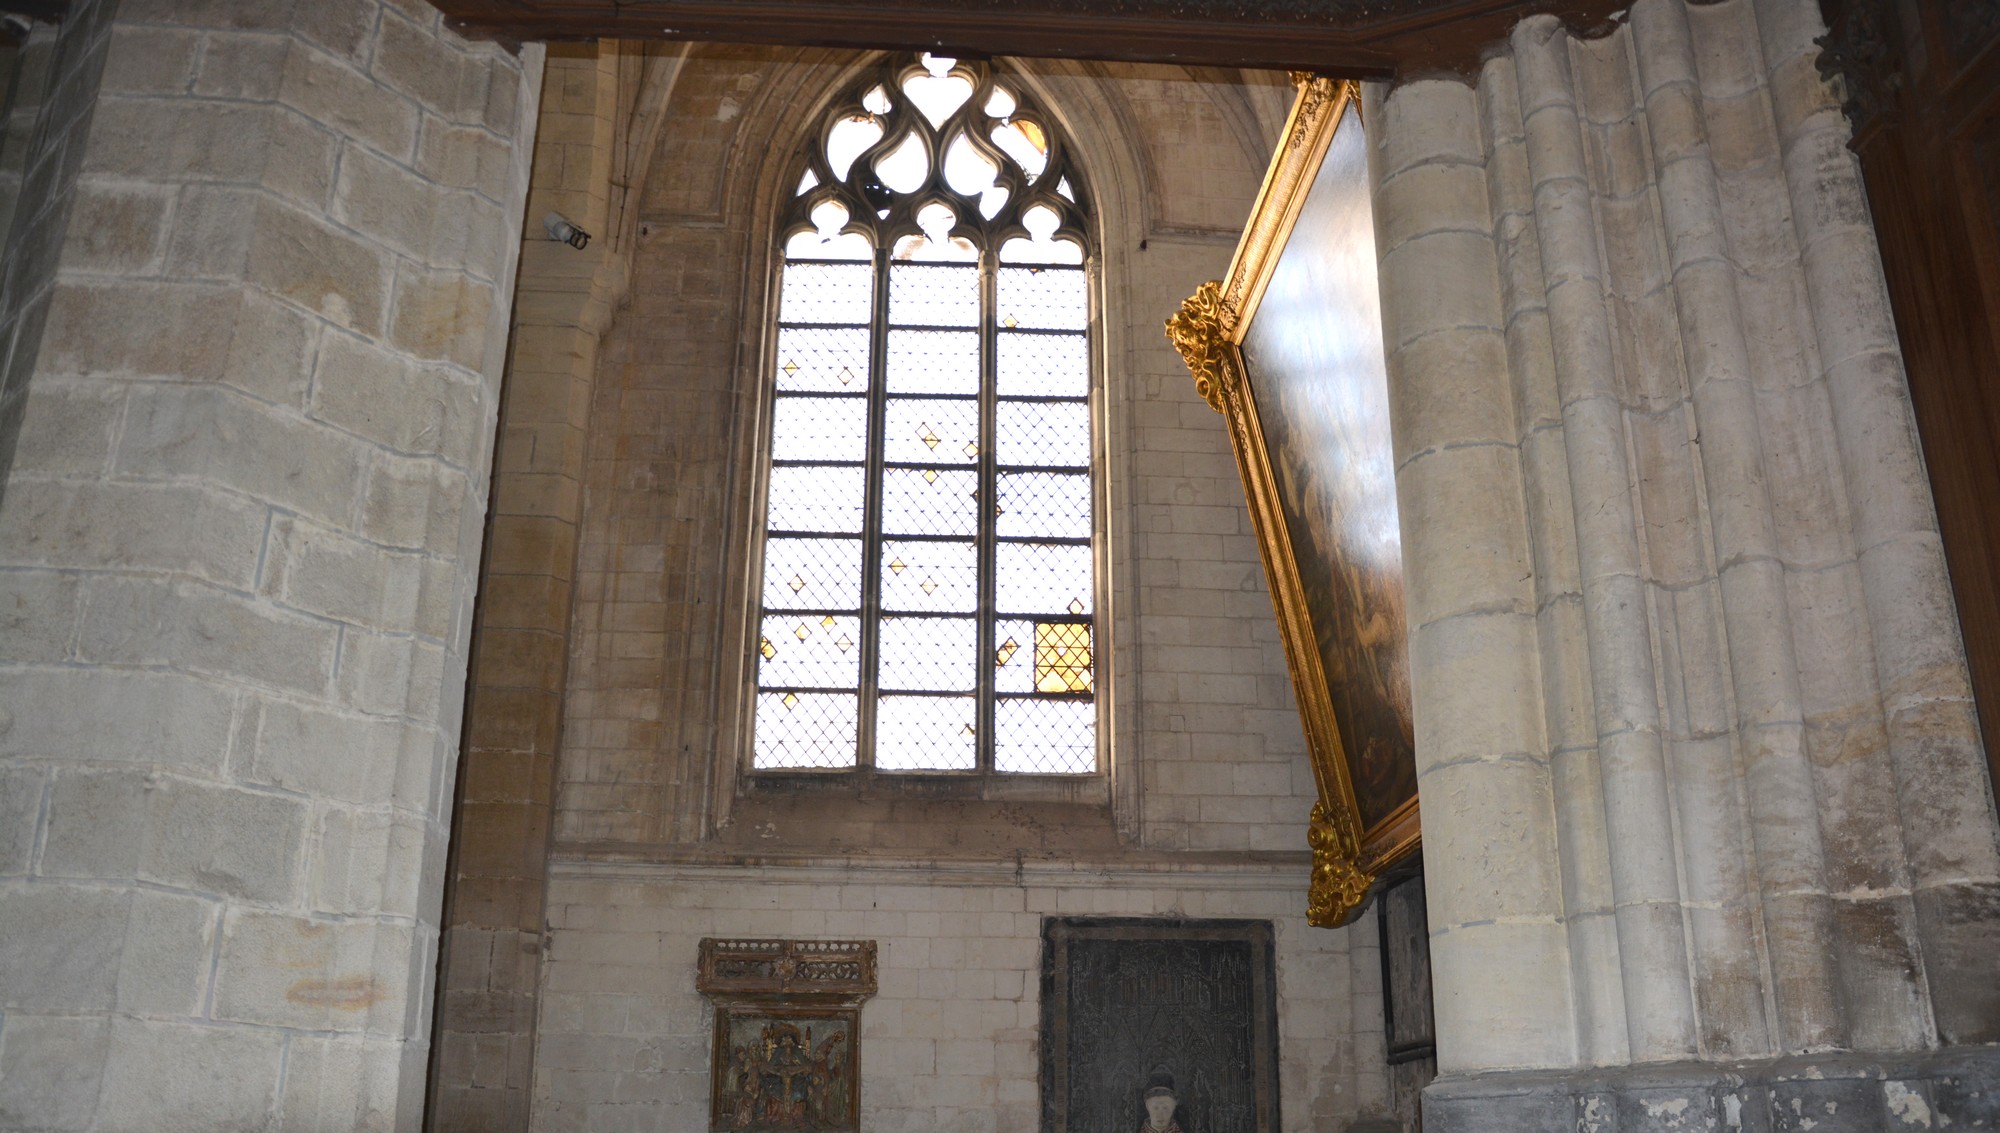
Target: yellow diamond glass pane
1062 657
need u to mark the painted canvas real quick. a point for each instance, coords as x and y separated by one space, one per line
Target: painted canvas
1288 348
1312 356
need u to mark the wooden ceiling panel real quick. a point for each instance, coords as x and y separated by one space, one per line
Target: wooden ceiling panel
1344 38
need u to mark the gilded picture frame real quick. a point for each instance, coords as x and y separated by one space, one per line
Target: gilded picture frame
1354 841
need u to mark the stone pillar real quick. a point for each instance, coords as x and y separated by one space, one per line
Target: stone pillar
240 534
599 110
1769 840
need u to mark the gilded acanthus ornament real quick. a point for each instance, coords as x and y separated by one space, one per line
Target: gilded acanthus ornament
1338 886
1200 331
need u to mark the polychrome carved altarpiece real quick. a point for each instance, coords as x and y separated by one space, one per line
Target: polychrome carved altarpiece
787 1053
1288 348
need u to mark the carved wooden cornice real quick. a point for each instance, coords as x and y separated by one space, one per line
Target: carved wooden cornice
792 970
1860 53
1351 38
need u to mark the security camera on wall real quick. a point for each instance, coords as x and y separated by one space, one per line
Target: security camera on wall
563 229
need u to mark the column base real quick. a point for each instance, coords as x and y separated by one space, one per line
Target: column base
1957 1089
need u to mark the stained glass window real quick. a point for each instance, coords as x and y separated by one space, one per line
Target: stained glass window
929 562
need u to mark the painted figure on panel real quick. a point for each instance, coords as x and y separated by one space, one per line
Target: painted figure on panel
1314 358
778 1078
1161 1104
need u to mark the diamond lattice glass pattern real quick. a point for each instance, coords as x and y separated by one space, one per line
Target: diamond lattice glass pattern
977 521
827 293
819 428
926 733
1050 737
1043 365
929 501
1014 655
807 650
1047 433
1044 505
1038 578
823 360
805 729
934 361
1043 656
1062 657
815 498
931 431
929 577
1042 297
937 295
929 654
812 574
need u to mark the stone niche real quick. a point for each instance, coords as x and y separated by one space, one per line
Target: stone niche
787 1048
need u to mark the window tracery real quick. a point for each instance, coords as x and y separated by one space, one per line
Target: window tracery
929 577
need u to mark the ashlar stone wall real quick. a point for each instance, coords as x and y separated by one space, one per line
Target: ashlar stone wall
600 112
237 554
950 1044
657 841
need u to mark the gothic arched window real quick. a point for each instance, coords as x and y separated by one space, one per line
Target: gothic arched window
929 579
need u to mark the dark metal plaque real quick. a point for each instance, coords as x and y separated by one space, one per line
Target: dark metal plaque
1128 1002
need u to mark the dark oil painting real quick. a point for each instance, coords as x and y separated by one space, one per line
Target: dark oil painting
1132 1007
1313 358
781 1070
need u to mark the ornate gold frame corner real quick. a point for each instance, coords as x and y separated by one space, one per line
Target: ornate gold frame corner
1208 332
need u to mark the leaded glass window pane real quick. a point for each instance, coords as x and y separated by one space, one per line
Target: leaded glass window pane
928 599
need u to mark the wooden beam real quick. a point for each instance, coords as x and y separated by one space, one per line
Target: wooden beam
1343 38
41 11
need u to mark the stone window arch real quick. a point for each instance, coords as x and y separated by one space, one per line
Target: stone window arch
929 568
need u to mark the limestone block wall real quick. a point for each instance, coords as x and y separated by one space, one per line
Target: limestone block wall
1210 752
950 1042
239 534
652 846
493 916
1699 763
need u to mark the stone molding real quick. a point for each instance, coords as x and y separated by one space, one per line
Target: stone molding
1282 874
1834 1093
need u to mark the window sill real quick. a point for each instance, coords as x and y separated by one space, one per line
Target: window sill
898 813
950 786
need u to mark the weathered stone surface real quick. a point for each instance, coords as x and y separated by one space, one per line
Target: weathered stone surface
1841 1093
234 601
1763 771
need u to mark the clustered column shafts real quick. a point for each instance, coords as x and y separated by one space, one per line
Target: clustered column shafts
1770 723
1597 999
1773 832
1638 807
1944 794
1479 729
